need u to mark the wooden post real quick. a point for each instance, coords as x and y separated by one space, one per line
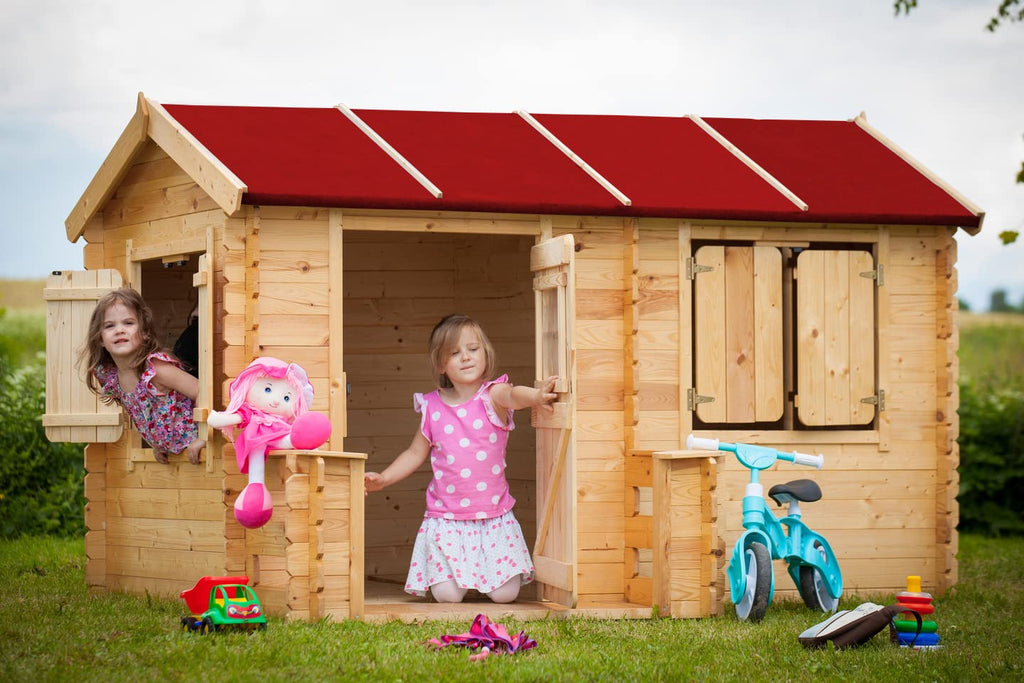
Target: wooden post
686 548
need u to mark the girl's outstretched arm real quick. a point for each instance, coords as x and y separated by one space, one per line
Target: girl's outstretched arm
516 397
170 376
407 462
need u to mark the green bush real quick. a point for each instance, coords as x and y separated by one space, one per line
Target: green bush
991 458
41 483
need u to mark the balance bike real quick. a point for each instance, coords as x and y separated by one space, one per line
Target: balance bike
811 563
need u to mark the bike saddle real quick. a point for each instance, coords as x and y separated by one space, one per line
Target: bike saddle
803 490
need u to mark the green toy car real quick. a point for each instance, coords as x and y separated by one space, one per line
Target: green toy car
228 603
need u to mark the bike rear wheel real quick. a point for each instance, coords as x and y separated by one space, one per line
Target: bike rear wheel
754 603
813 587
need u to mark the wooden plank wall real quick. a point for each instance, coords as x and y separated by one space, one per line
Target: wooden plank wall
947 510
600 438
659 337
397 286
152 528
276 294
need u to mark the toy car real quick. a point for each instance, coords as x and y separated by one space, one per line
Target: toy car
219 602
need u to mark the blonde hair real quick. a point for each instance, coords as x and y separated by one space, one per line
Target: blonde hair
445 337
93 354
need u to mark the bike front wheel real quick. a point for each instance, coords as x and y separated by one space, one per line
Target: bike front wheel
757 590
813 588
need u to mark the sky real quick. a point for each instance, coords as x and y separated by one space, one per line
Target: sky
935 82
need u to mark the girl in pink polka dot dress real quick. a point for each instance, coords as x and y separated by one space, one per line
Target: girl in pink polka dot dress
469 537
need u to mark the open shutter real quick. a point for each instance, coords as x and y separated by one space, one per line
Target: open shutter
835 338
738 334
554 553
202 281
73 413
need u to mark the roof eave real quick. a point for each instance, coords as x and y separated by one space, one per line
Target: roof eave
151 121
111 171
862 121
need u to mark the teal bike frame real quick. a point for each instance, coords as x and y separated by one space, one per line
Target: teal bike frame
787 538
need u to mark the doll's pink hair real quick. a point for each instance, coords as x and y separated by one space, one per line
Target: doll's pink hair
277 369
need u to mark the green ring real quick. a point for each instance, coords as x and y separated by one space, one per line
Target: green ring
910 626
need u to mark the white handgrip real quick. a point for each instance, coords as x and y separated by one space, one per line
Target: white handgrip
815 461
696 443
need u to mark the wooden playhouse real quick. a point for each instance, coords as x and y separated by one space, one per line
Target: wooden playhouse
779 282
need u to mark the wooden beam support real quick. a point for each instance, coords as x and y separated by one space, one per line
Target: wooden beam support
576 159
862 121
216 179
389 150
751 164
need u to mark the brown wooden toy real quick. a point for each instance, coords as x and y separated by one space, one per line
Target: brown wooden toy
787 283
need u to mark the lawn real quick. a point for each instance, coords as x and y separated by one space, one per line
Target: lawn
52 629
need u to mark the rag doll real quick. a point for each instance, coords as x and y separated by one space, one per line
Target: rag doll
269 408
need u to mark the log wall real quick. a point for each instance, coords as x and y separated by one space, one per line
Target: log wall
354 307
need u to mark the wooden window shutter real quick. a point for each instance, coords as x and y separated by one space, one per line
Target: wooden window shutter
835 338
738 334
203 283
73 413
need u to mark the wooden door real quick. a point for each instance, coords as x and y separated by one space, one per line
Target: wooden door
554 553
835 337
738 349
73 413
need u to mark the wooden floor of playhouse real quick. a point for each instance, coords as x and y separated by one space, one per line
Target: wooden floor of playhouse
388 602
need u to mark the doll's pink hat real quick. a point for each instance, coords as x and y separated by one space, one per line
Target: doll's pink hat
277 369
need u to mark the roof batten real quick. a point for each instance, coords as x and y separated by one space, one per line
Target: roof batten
753 165
390 151
587 168
862 122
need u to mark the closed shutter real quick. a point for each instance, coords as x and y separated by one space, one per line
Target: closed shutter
738 334
835 339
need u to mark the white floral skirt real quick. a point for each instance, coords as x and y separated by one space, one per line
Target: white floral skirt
481 554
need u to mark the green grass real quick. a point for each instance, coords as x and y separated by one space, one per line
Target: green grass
52 629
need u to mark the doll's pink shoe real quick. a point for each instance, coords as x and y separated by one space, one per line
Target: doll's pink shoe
253 507
310 430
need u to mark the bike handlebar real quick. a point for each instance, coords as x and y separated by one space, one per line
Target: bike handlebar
701 444
815 461
705 444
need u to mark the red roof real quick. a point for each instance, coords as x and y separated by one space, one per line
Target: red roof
665 166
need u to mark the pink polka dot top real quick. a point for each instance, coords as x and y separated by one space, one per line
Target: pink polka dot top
467 455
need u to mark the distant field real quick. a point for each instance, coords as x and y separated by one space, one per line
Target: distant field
992 349
21 295
968 320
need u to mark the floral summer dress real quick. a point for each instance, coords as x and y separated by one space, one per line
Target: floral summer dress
163 419
469 532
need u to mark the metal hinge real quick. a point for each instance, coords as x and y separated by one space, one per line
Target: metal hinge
693 399
693 269
878 275
876 400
